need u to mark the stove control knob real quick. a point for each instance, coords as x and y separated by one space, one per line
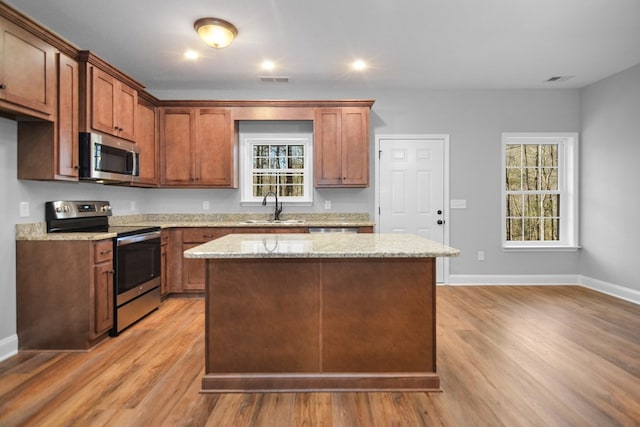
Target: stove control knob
105 208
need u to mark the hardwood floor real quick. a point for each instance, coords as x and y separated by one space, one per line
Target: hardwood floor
511 356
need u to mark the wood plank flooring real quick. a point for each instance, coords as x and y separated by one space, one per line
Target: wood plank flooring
507 356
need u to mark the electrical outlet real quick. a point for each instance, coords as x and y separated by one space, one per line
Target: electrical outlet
327 204
205 205
480 255
133 205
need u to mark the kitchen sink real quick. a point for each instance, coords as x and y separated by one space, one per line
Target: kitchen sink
274 221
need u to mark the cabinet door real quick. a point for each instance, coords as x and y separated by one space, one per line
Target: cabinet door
126 106
67 125
177 135
215 157
193 271
341 147
27 72
164 262
147 142
327 155
355 147
103 95
103 298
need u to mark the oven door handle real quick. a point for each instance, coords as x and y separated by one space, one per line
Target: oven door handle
127 240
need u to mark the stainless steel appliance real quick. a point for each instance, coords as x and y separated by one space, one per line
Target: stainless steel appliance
137 272
107 159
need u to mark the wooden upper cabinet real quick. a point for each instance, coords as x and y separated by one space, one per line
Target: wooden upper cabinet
147 142
113 105
49 150
67 125
197 147
341 147
27 73
215 139
177 144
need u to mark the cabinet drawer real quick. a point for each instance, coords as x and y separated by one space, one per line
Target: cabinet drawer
202 234
103 251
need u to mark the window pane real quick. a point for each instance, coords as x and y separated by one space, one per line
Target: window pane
514 205
296 150
531 157
514 179
551 229
514 155
514 229
550 205
532 205
531 229
549 155
549 179
531 179
296 163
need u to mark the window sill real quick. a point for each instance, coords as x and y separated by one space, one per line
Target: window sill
271 202
541 248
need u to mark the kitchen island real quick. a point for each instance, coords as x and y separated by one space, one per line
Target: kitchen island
308 312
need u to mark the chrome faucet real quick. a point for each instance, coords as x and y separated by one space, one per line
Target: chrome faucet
278 211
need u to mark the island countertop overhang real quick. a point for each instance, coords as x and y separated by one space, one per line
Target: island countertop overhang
330 245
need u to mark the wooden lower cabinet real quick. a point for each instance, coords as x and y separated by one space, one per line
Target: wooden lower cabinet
71 307
164 262
187 276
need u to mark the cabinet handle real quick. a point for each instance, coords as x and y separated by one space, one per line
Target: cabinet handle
105 252
3 86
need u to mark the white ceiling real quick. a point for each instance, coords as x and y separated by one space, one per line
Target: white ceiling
472 44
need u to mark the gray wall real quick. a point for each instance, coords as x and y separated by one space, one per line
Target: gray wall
610 179
473 119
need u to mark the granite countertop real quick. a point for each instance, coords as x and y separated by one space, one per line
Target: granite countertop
37 231
329 245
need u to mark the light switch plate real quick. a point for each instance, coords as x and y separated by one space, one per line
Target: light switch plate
24 209
327 204
458 204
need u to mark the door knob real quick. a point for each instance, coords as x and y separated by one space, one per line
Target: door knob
439 212
440 222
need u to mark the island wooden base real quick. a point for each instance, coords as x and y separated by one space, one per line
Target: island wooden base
241 383
320 324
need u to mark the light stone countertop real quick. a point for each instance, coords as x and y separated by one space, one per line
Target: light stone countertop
37 231
329 245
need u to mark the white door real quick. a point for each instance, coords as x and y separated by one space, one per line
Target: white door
411 187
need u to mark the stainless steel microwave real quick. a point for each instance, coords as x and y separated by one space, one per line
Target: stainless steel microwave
108 159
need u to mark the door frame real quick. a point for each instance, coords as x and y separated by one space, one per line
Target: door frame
446 202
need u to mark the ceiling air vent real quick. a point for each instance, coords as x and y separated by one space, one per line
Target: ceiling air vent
274 79
557 79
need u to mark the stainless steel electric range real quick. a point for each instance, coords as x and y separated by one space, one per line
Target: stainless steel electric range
136 256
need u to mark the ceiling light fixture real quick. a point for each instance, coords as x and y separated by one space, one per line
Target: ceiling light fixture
215 32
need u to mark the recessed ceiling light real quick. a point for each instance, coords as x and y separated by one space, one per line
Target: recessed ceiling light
268 65
359 65
191 54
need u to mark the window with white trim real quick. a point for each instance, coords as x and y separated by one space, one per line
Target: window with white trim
540 190
279 164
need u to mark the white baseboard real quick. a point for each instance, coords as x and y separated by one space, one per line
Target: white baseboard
514 279
617 291
8 347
